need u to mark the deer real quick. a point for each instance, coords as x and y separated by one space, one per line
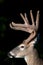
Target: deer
26 49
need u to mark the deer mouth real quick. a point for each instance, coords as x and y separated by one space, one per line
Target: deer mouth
10 55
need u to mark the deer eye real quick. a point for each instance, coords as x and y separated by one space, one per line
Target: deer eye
22 47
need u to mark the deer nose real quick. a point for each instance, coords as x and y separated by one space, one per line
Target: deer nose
10 56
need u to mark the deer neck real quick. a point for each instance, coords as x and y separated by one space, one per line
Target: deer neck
32 58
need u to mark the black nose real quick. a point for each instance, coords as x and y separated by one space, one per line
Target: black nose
10 56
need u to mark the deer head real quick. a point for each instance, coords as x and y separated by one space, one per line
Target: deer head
26 47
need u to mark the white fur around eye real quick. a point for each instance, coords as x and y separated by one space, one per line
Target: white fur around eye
22 49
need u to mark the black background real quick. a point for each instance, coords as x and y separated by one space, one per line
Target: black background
11 9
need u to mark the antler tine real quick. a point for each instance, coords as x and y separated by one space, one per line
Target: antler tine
32 18
24 18
37 20
16 25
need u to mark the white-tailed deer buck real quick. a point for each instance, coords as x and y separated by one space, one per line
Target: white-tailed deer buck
26 49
